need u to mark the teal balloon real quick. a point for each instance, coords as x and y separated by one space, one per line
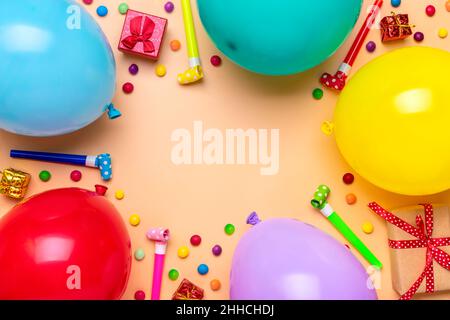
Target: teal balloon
56 65
278 37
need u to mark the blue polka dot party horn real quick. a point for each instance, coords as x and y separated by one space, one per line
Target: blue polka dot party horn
101 162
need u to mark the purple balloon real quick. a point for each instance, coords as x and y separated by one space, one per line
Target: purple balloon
285 259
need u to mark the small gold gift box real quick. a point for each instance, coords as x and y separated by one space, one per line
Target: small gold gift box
14 183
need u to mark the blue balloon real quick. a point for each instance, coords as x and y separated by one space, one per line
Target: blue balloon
57 68
278 37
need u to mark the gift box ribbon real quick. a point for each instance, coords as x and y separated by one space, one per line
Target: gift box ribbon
139 34
423 232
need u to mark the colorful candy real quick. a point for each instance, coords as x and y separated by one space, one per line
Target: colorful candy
443 33
196 240
44 175
175 45
133 69
229 229
350 198
139 254
173 274
128 87
215 285
120 194
169 6
135 220
139 295
419 36
123 8
430 10
76 175
348 178
203 269
216 60
447 5
317 93
160 70
371 46
183 252
396 3
102 11
88 2
367 227
327 128
217 250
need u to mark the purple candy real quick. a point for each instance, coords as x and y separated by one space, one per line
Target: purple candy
134 69
419 36
169 7
371 46
217 250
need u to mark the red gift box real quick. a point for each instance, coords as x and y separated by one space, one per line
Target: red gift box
188 291
142 34
395 27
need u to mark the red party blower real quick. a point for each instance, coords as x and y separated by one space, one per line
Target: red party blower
337 81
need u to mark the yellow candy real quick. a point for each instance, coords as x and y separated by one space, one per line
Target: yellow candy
327 127
135 220
443 33
160 70
183 252
120 194
191 75
367 227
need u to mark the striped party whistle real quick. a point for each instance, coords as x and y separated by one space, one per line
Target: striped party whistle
101 162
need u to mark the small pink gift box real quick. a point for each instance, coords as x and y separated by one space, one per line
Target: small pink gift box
142 34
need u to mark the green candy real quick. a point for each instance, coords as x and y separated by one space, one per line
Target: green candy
139 254
45 175
229 229
123 8
173 274
318 94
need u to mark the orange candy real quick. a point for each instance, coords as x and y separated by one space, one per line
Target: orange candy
447 5
215 285
350 198
175 45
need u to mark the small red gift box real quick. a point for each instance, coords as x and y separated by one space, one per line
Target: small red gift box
395 27
142 34
188 291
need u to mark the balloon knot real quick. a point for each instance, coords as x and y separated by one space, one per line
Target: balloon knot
253 219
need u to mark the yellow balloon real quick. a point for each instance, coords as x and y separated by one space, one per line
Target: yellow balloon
392 121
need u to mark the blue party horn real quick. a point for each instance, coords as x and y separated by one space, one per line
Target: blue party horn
102 161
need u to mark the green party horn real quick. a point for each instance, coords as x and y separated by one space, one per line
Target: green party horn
319 202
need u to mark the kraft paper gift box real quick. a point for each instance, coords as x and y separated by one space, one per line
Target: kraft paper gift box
419 248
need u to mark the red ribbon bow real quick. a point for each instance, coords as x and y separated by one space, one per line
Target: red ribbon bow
423 232
138 35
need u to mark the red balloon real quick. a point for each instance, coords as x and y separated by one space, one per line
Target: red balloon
64 244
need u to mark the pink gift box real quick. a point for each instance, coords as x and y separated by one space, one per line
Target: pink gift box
142 34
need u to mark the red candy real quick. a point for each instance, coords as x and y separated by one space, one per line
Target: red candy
139 295
128 87
430 10
216 61
75 175
348 178
88 1
196 240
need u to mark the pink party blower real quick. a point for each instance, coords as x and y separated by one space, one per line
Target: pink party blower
161 237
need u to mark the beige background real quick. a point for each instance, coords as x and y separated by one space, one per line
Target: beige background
202 199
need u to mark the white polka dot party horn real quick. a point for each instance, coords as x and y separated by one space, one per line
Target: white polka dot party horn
101 162
195 72
161 237
320 202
